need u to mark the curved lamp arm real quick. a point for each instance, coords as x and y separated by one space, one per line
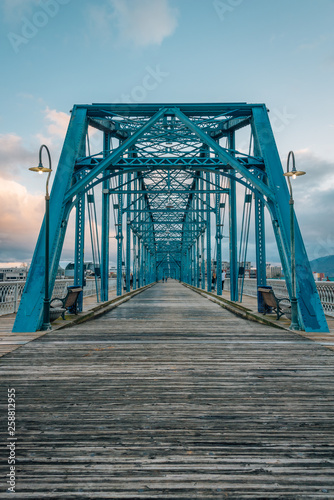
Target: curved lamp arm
291 154
41 166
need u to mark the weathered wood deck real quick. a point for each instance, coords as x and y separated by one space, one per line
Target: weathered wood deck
171 396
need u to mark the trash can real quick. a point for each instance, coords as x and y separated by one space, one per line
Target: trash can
261 307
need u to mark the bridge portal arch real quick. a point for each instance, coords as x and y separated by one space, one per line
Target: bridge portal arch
170 172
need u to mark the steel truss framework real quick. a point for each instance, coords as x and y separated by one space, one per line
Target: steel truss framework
173 171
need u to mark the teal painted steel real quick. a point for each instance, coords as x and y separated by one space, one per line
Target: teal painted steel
79 250
311 315
79 267
234 271
219 238
128 238
28 318
120 237
208 235
167 177
105 227
260 243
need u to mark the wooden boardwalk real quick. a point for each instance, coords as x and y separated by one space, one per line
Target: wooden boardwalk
170 396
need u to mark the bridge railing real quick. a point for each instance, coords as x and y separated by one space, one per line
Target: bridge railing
11 292
325 290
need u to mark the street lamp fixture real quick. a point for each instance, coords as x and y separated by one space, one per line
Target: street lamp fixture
40 169
294 304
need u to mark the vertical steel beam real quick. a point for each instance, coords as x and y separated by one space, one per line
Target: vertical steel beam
79 250
192 261
134 262
29 315
218 238
139 254
198 248
79 266
311 314
260 243
120 236
208 233
105 226
233 229
202 236
260 240
128 235
135 238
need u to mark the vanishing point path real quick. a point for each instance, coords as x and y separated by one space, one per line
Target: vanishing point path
171 396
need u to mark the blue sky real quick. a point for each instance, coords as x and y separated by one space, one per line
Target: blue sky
56 53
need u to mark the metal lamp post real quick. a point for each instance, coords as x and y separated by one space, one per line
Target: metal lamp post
40 169
294 303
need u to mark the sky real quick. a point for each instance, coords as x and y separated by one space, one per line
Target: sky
56 53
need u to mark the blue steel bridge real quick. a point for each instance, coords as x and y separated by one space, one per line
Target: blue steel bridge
169 172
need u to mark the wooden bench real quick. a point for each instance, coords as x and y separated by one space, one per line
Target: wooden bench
272 302
68 302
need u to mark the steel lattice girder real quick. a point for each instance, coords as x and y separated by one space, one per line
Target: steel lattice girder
174 160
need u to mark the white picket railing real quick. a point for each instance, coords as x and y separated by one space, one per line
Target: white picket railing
11 292
325 291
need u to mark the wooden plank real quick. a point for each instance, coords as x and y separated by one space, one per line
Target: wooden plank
171 396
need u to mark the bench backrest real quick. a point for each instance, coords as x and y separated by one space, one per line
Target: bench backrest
268 297
72 295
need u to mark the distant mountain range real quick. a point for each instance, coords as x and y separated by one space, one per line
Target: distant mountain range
323 265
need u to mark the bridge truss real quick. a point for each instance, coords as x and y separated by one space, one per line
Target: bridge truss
170 173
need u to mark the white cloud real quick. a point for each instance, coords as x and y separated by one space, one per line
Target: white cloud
99 19
145 22
21 212
14 155
19 221
14 9
54 134
314 195
58 122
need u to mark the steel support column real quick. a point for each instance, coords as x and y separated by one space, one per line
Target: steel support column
202 236
208 235
311 314
233 230
218 239
128 236
79 250
120 237
105 227
260 243
29 316
79 266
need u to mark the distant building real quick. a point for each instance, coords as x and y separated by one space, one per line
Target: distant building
319 276
113 272
246 270
60 272
253 272
273 272
88 267
13 273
